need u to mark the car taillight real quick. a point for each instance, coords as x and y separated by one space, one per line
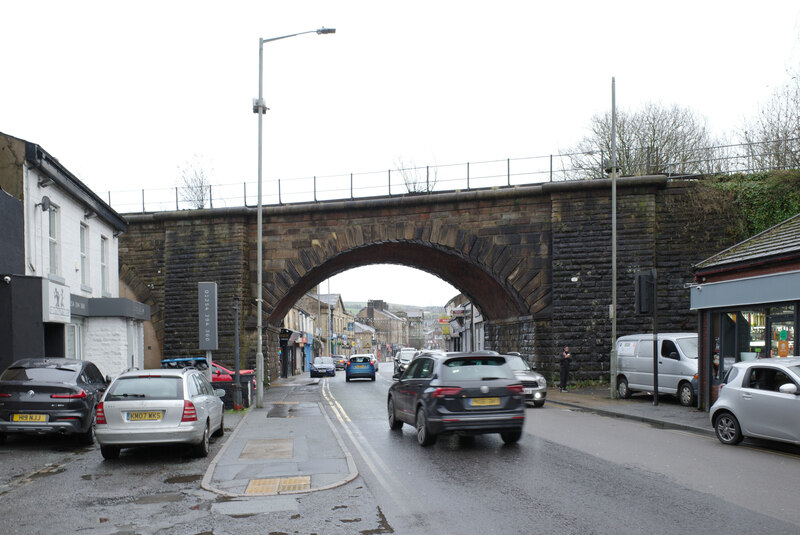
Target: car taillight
81 394
100 415
515 389
445 391
5 395
189 412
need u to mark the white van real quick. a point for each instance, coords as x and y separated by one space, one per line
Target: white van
677 365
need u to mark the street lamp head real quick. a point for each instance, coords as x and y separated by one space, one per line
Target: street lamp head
326 30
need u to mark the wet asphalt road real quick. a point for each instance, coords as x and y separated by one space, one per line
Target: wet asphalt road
572 472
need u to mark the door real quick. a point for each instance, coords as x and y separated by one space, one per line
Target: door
643 365
669 367
780 330
765 411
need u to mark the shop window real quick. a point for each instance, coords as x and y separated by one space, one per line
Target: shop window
752 334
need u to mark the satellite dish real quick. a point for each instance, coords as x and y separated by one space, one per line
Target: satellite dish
45 203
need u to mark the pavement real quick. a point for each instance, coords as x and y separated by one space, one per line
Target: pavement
291 445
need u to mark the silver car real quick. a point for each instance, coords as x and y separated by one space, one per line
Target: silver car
155 407
761 399
533 383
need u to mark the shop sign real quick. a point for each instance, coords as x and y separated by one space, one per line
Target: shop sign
55 302
207 307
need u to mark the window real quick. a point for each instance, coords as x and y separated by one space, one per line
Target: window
767 379
85 281
73 334
54 233
104 264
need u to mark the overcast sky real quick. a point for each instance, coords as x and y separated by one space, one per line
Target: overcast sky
127 93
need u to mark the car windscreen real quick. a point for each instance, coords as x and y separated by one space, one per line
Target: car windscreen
476 369
146 387
360 360
688 346
52 374
517 364
323 360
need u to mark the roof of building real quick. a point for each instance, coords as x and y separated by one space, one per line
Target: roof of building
781 240
360 327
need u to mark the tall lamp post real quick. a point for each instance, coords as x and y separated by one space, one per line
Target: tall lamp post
260 109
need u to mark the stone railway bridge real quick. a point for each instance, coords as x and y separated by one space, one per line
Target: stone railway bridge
536 260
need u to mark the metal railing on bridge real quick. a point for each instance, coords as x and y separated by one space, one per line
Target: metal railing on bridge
725 159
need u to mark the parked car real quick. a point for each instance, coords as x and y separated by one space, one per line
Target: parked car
465 393
677 365
360 366
50 395
761 399
402 358
534 384
322 367
340 361
157 407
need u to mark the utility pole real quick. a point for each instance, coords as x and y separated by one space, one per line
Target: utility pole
613 310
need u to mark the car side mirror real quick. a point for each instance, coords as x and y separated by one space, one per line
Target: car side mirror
219 392
788 388
674 355
396 377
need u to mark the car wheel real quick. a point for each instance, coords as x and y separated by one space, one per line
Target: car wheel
347 379
538 404
727 428
511 437
109 452
221 431
394 423
2 438
87 438
686 395
424 436
201 449
373 377
622 388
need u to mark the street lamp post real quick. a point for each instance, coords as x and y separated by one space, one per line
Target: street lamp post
260 109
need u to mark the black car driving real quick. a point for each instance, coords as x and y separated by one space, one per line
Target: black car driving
50 395
465 393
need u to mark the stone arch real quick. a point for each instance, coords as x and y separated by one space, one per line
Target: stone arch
477 268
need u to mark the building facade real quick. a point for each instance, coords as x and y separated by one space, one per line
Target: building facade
748 303
60 295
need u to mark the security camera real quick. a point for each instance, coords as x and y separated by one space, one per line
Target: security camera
7 279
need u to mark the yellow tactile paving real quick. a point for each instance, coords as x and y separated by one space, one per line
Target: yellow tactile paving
295 483
275 485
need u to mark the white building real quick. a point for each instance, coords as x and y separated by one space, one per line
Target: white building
60 291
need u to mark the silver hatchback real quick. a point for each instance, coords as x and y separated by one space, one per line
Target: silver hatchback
761 399
155 407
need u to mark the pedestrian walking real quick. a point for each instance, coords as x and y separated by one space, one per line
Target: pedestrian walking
565 359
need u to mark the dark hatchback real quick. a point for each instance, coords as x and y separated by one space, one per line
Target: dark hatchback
463 393
49 395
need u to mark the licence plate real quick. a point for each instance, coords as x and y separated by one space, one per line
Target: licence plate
29 418
484 402
528 390
139 416
359 366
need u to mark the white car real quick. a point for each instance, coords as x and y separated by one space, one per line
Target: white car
759 398
155 407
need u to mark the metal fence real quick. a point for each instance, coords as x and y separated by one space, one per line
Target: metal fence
725 159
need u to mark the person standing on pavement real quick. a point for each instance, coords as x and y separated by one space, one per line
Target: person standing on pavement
565 359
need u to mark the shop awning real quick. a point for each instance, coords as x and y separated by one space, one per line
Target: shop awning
774 288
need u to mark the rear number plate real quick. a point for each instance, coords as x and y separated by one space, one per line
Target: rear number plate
528 390
29 418
139 416
483 402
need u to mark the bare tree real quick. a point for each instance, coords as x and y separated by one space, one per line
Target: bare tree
654 140
418 179
773 136
195 182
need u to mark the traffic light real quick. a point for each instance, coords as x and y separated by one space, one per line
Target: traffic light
643 286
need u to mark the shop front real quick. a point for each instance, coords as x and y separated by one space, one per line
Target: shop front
748 304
